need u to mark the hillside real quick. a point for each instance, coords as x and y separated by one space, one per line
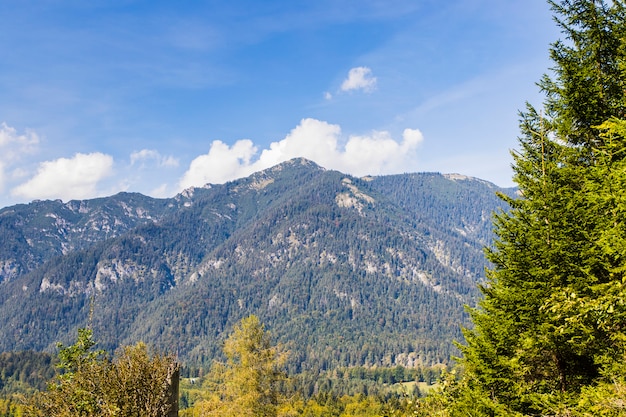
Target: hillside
343 270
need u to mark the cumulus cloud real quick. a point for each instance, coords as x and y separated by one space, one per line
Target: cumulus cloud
67 178
359 78
221 164
153 155
319 141
313 139
379 153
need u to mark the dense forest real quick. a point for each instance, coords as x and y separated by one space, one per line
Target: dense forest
546 338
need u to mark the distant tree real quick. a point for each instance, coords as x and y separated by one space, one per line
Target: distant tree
247 384
11 408
25 372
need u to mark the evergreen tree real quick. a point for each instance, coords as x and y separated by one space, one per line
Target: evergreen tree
550 325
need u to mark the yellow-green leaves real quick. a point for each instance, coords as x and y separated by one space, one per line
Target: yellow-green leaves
134 383
246 385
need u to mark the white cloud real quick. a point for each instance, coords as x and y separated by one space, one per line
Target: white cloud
13 147
151 154
221 164
9 137
328 95
73 178
359 78
319 141
312 139
379 153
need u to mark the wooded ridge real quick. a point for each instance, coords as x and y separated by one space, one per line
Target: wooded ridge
345 271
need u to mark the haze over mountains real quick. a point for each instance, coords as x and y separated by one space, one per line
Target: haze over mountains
343 270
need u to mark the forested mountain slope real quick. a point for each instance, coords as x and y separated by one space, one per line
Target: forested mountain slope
344 271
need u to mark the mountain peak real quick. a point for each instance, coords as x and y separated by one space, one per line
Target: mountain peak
296 163
461 177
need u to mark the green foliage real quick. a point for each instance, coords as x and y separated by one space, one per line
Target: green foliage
549 335
24 372
389 388
10 407
332 406
140 382
133 383
247 384
376 382
74 357
608 397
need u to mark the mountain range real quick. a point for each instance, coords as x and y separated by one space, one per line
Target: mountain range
343 271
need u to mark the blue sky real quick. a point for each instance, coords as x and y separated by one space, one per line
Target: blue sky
98 97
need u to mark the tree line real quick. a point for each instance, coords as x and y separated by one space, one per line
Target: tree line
252 380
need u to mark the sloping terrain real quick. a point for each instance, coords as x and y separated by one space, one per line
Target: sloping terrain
343 270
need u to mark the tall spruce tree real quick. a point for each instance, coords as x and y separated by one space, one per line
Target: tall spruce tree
550 328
